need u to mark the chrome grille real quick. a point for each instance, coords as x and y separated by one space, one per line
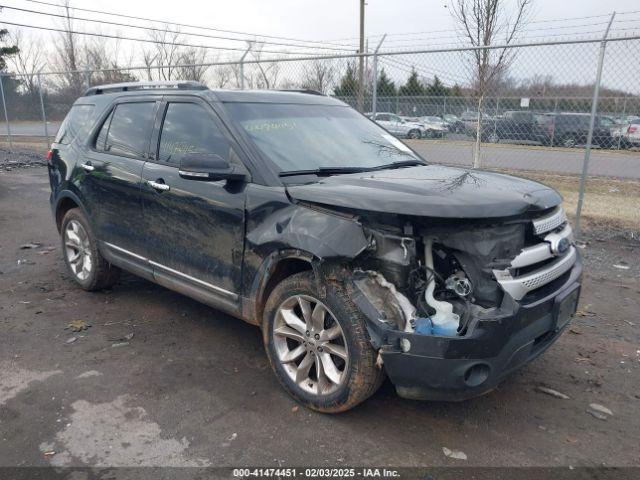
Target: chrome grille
550 222
548 248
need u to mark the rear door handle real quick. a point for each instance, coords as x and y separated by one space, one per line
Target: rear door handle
160 187
88 167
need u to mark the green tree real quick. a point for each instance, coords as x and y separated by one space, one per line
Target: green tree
385 87
5 51
437 88
348 83
456 91
413 87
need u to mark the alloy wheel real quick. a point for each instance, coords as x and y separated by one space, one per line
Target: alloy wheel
78 250
310 345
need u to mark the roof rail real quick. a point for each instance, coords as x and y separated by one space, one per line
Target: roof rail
132 86
308 91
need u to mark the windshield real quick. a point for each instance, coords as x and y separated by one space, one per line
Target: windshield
310 137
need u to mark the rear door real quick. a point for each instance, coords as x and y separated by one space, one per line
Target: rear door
111 172
195 228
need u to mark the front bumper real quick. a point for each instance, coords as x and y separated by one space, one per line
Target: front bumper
458 368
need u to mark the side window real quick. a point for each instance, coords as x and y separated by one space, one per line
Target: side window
188 128
394 118
383 117
101 139
75 123
129 129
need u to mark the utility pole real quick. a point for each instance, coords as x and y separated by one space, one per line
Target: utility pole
361 60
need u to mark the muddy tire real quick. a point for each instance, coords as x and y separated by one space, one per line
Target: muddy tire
318 345
80 251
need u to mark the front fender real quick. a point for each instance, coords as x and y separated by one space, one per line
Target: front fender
322 234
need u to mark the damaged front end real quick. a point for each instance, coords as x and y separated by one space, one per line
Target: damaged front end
452 307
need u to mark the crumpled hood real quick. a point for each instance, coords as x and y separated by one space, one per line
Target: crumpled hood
430 191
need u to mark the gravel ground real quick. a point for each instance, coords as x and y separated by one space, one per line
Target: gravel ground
20 157
160 380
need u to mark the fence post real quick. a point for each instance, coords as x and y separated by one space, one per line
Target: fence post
592 122
374 94
246 52
624 112
495 122
87 79
44 115
4 106
444 105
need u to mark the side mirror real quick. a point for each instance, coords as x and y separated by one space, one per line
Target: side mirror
209 167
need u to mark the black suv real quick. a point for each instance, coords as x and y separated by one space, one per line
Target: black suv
571 129
293 212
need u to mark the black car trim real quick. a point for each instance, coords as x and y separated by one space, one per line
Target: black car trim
173 271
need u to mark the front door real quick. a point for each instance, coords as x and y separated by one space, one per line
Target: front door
195 228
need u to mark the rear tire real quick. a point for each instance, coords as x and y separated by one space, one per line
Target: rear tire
414 134
80 250
292 336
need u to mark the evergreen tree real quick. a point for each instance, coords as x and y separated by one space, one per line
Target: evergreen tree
348 83
386 87
437 88
456 91
413 87
5 51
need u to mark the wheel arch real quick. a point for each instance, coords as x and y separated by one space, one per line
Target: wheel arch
275 268
65 202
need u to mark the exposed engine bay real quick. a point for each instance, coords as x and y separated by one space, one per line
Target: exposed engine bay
434 281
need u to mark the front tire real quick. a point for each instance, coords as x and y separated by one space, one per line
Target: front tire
318 346
80 250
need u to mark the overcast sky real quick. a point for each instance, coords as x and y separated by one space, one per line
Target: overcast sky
336 21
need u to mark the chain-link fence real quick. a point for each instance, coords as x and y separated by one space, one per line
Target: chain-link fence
527 110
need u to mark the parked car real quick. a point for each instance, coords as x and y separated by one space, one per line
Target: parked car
434 126
515 125
295 213
454 124
627 135
572 129
398 126
470 121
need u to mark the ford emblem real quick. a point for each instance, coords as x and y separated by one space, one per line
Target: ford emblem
562 246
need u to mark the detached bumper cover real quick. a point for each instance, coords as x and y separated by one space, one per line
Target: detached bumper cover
458 368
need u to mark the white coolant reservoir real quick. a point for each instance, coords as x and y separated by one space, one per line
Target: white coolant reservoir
444 321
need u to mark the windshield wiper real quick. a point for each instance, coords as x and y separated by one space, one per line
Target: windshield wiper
324 171
400 164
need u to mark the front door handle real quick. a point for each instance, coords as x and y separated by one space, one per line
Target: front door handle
88 167
160 187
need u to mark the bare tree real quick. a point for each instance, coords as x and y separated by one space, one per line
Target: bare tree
102 56
164 55
263 73
149 59
486 23
222 76
68 54
320 75
191 62
28 60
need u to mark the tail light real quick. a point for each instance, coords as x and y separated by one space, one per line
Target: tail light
632 129
50 158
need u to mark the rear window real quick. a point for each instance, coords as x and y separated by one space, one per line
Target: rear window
126 131
75 123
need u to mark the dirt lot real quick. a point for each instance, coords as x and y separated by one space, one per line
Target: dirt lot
192 386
